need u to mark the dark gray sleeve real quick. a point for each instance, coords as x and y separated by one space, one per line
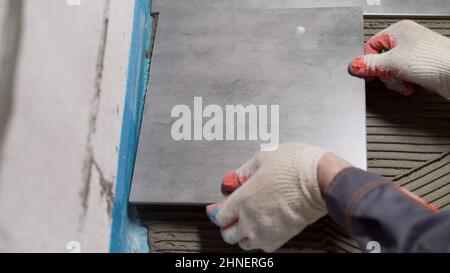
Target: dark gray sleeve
370 208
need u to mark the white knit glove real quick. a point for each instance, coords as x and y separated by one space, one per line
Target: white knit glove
416 55
280 197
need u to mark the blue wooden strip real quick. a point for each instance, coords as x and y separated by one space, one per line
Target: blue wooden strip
126 234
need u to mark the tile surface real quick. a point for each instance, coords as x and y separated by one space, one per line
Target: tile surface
247 57
399 7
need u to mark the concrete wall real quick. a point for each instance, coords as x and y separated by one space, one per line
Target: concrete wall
59 153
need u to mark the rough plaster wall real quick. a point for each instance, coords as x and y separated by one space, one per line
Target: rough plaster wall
105 139
60 150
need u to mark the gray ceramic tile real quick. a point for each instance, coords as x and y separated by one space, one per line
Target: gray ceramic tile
407 7
399 7
258 57
195 5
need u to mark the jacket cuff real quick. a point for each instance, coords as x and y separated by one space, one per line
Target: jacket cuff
346 190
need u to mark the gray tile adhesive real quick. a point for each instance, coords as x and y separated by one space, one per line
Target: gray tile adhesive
408 142
283 58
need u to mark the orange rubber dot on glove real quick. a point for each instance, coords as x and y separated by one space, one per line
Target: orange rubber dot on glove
231 182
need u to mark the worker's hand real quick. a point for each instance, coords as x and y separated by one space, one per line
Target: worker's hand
412 54
277 195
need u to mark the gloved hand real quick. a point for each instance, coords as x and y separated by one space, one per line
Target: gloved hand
416 55
279 197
